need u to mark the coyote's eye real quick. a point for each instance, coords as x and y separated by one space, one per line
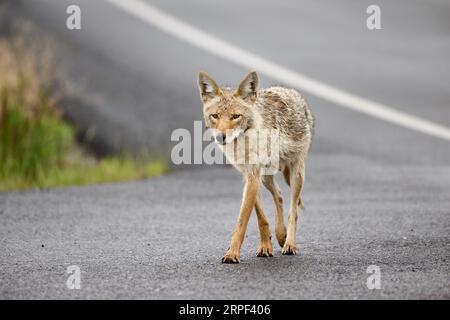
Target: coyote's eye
235 116
214 116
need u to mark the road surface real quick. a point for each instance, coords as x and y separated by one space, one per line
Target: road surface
376 193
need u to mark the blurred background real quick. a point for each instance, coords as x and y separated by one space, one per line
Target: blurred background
124 85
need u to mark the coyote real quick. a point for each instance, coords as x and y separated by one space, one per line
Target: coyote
230 113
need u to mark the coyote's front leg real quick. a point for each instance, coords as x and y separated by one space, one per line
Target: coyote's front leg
248 202
265 239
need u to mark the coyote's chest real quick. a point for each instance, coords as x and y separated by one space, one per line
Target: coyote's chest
254 148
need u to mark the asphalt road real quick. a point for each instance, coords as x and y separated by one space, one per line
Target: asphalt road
375 193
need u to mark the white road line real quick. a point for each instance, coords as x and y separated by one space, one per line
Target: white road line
227 51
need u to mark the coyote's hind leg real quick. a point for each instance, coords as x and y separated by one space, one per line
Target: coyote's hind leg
280 228
296 181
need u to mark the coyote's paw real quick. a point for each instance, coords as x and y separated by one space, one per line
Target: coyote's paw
289 249
230 257
265 250
281 235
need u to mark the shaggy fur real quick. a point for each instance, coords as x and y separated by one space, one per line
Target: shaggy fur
231 113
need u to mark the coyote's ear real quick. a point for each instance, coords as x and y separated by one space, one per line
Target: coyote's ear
207 86
248 89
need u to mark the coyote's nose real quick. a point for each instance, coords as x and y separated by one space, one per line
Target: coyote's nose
220 138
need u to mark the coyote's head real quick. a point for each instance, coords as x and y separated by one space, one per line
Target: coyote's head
229 112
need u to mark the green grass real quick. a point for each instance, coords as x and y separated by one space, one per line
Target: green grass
107 170
39 150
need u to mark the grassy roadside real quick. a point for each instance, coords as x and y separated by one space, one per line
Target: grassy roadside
37 148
